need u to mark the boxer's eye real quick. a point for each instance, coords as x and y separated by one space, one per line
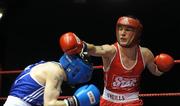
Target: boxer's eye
130 29
120 27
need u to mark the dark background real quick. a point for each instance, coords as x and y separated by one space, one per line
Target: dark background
30 30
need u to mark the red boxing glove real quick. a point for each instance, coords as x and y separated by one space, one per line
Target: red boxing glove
70 43
164 62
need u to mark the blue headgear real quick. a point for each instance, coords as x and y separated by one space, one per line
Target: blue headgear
76 69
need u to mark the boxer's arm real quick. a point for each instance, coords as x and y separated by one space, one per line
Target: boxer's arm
103 50
71 44
52 90
149 61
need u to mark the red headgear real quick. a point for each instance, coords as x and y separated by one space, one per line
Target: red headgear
132 22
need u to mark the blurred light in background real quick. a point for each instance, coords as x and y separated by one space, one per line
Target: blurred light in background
1 12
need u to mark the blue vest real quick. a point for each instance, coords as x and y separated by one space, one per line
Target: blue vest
26 88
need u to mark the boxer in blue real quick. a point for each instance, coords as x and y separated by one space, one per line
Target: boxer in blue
40 84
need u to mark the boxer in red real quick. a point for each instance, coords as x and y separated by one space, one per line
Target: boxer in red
123 62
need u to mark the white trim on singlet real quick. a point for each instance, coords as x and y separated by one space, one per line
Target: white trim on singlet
130 68
21 77
108 66
36 80
34 95
142 57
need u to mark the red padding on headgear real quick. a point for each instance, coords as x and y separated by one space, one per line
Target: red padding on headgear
128 21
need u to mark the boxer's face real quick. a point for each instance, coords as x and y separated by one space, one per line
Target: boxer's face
125 35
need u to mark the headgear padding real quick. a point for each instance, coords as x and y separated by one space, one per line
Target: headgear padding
76 69
128 21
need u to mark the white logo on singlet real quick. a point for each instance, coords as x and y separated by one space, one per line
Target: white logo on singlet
123 82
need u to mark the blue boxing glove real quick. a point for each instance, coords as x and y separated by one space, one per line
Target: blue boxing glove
87 95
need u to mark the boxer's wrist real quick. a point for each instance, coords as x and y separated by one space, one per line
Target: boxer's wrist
84 51
66 102
71 101
159 72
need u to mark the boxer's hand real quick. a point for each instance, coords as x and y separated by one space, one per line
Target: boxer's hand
84 52
70 43
87 95
164 62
